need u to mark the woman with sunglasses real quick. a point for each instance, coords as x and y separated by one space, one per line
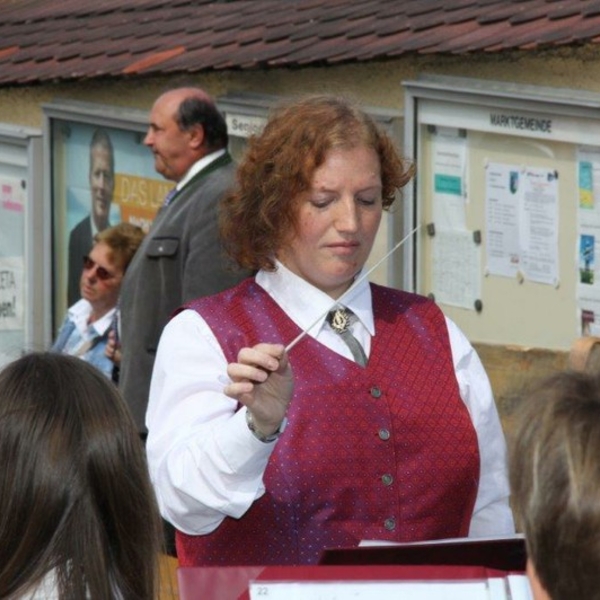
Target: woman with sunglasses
85 330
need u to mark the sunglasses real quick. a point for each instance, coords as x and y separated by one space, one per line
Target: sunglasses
101 272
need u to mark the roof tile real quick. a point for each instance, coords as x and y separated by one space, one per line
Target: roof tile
49 41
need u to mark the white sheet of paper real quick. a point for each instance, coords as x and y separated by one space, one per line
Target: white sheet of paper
539 226
462 540
502 198
449 179
12 293
371 590
519 587
456 269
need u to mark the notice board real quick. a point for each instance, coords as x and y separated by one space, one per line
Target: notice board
507 197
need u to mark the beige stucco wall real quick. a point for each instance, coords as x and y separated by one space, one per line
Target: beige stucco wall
377 84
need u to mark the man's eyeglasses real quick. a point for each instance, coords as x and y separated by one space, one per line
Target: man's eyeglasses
101 272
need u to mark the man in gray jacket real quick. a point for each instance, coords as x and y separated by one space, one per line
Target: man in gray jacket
181 258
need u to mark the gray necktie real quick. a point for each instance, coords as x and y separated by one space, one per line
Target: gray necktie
339 320
169 197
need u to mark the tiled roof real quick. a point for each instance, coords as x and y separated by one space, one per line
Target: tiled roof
74 39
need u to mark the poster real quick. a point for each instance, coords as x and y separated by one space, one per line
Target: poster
12 243
101 176
539 225
12 296
456 269
521 209
502 192
137 191
587 248
449 179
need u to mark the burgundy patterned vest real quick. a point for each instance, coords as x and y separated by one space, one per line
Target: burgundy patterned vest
386 452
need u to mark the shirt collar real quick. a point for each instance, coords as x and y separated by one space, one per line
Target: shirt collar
93 227
306 305
79 313
198 166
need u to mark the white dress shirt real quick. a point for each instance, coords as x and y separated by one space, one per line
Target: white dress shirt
205 463
80 313
197 167
46 589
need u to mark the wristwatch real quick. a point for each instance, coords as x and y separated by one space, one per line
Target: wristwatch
259 435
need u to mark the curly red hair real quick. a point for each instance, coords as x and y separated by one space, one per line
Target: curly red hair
260 215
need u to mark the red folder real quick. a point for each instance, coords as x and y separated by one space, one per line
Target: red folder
505 553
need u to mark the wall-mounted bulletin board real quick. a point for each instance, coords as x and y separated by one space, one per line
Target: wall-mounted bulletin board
508 199
22 242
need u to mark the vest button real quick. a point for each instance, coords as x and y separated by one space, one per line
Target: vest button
375 392
384 434
390 524
387 479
